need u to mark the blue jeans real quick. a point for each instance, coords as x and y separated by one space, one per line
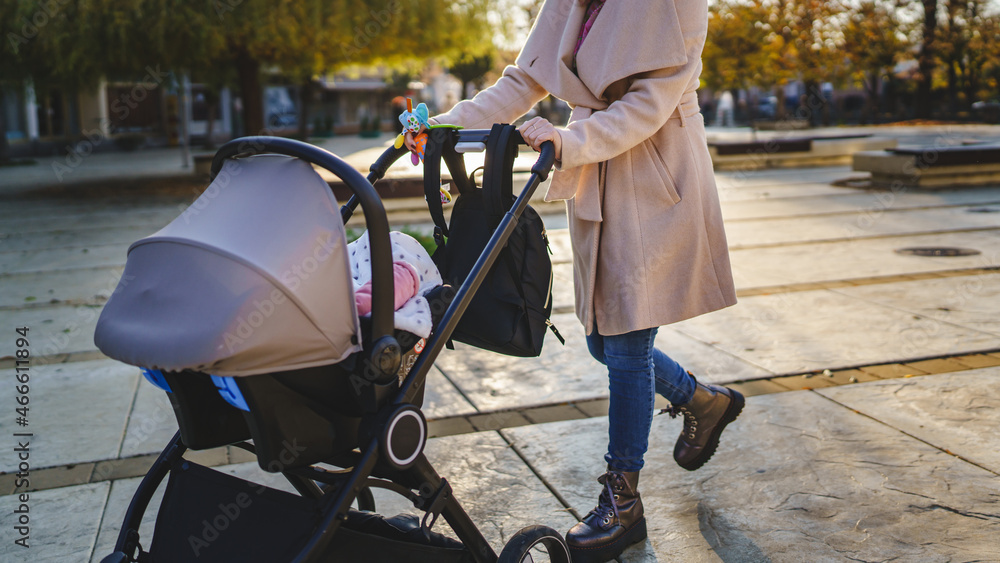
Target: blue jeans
636 371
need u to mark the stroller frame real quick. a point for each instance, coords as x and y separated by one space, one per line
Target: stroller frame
385 402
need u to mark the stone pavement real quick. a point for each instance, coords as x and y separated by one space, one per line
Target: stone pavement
872 381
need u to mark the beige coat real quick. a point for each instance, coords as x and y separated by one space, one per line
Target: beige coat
649 247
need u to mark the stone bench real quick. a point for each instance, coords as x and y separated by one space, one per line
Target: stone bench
793 152
932 167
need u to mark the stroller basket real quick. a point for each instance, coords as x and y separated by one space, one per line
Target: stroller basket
311 386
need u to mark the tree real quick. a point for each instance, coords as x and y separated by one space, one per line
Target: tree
734 55
300 38
873 41
36 39
472 70
807 41
961 50
926 58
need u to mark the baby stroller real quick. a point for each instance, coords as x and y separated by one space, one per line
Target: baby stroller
257 343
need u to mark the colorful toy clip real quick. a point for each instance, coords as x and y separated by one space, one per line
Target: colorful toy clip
412 122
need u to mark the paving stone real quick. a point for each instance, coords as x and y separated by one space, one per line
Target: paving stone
81 218
442 399
562 373
796 474
24 261
889 371
152 422
449 427
563 296
76 286
496 420
799 382
495 487
977 360
798 229
61 476
729 194
758 387
212 457
860 258
958 412
239 455
116 469
63 524
120 235
78 412
58 329
554 413
596 407
119 498
970 301
849 376
863 204
706 360
802 332
7 481
936 365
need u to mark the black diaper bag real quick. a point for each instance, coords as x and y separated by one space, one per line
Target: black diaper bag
509 314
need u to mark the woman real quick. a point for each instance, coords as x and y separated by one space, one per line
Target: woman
649 247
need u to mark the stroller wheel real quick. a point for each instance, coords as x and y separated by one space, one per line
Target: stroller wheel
535 544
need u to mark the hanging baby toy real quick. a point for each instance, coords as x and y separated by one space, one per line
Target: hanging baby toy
413 122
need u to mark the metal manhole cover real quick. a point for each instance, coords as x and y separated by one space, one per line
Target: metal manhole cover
937 251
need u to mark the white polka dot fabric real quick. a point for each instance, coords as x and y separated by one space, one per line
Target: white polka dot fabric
415 315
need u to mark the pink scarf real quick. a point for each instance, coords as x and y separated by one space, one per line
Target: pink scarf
592 11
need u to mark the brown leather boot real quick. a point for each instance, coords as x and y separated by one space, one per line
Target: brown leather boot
615 524
705 417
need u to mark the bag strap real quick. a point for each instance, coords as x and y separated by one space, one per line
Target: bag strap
498 182
441 145
432 181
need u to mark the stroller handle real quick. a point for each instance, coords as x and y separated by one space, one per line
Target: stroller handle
364 193
542 167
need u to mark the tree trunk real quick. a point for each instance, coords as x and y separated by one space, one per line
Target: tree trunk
871 110
926 60
210 126
305 97
4 145
250 88
952 91
815 102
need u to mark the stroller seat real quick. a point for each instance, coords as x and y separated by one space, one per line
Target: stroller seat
242 309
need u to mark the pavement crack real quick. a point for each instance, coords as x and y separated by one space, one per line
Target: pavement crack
799 430
966 513
909 493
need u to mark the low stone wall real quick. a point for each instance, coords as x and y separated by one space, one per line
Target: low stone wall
932 168
793 153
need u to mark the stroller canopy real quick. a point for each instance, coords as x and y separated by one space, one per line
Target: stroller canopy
252 278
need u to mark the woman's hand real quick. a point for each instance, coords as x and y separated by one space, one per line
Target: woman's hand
537 131
411 145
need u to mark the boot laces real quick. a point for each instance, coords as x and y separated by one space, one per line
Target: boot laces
690 420
607 503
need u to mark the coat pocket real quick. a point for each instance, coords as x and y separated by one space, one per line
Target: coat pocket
649 168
